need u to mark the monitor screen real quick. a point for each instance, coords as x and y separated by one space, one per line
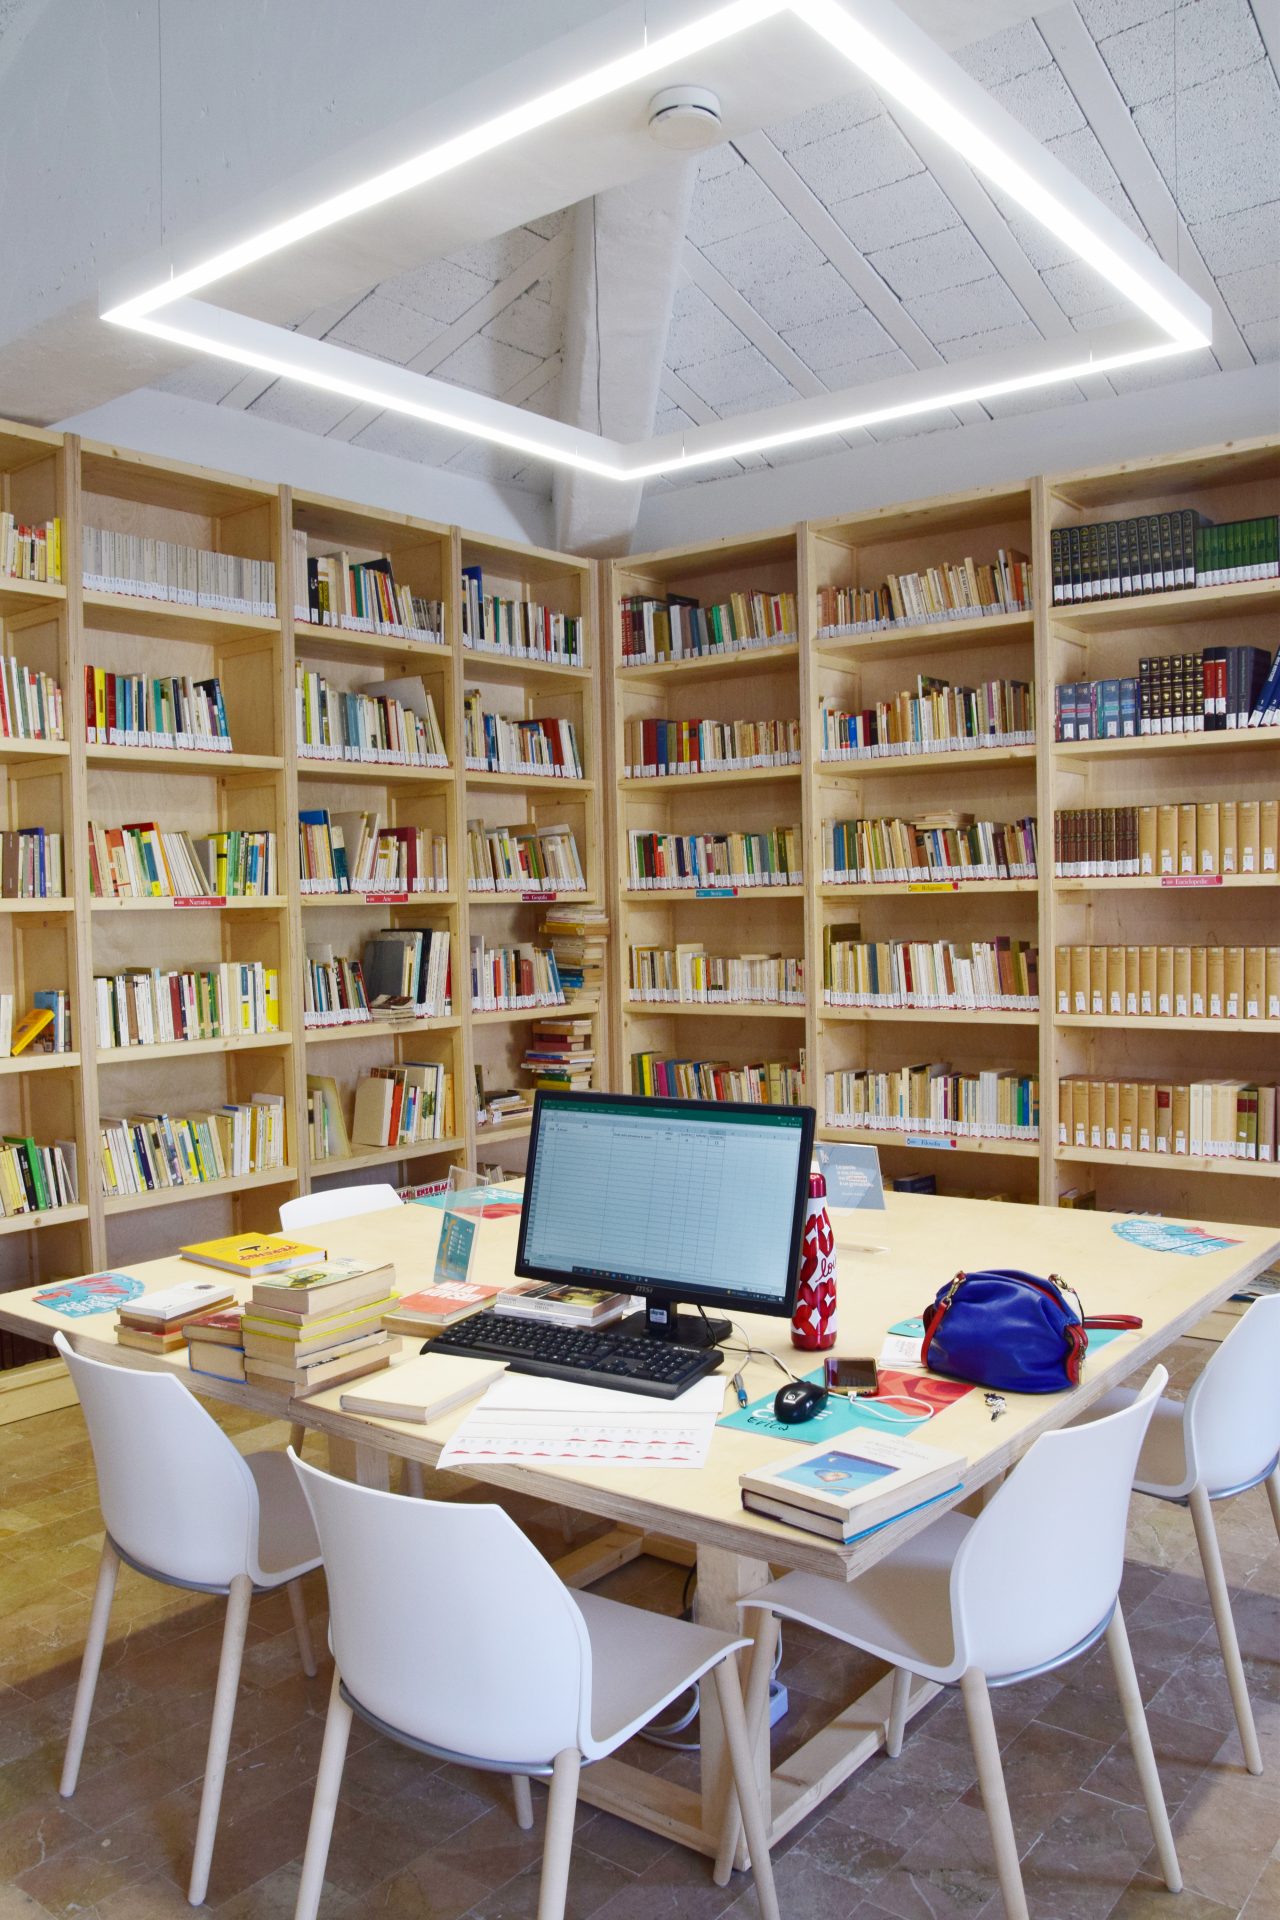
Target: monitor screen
698 1200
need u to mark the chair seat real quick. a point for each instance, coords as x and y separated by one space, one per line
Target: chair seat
640 1662
287 1542
1162 1464
899 1610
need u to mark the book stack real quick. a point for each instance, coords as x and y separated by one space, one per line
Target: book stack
773 1083
1220 1119
510 979
31 864
853 1488
1216 690
559 1054
577 937
1172 840
403 1106
663 862
156 1322
936 718
392 722
936 1099
443 1304
496 1104
538 749
223 1001
955 590
679 628
517 629
30 703
215 1343
563 1306
35 1179
30 552
152 1152
44 1028
1159 553
953 975
146 862
1179 983
333 590
687 975
945 845
317 1326
134 710
407 973
655 748
165 570
523 859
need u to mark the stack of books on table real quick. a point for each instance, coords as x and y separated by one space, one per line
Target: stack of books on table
563 1306
421 1314
215 1343
844 1491
559 1054
316 1326
154 1322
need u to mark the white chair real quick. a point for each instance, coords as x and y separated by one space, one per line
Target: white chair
338 1203
1221 1440
1028 1585
181 1505
565 1678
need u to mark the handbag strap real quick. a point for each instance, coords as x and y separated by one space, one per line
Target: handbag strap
1122 1322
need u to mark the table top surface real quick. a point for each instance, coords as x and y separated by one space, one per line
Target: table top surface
928 1236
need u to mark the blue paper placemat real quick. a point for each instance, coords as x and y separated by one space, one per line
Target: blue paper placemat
840 1415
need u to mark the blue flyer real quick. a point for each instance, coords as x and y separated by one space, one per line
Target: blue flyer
1166 1236
96 1293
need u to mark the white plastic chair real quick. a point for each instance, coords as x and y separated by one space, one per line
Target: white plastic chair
181 1505
338 1203
1028 1585
408 1578
1221 1440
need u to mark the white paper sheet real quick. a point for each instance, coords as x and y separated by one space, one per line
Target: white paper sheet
526 1419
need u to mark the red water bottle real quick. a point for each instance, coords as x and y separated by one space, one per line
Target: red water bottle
813 1324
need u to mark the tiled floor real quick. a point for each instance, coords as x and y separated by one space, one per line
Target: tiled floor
905 1838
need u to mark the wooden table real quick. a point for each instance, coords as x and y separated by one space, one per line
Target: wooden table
734 1549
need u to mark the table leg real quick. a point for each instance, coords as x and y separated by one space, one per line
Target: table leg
342 1457
723 1579
373 1467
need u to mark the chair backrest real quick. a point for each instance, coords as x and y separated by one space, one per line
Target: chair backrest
1233 1410
339 1203
176 1497
1040 1568
447 1624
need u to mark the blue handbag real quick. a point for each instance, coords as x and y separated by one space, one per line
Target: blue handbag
1010 1331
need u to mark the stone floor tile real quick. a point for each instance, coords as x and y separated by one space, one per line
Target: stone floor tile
1224 1832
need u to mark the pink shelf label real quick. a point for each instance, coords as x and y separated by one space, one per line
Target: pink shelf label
387 899
1191 880
532 898
200 900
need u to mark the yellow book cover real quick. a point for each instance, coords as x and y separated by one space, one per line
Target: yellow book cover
28 1027
252 1253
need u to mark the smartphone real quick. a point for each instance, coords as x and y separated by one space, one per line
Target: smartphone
855 1377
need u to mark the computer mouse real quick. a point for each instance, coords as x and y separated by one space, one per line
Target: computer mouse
798 1400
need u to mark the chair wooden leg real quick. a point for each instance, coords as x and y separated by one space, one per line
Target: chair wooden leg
558 1846
411 1481
757 1716
1135 1720
524 1800
1273 1495
302 1628
1220 1601
224 1707
898 1702
297 1435
333 1754
746 1788
95 1640
986 1751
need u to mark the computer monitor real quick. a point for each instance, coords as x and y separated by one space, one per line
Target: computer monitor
673 1200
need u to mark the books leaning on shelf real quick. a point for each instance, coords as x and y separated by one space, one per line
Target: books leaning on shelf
135 710
1175 840
30 702
933 1099
678 628
223 1001
509 979
518 629
563 1306
30 552
656 748
44 1028
326 1124
150 1152
665 862
407 973
318 1326
156 1322
356 853
940 846
936 718
30 864
214 1343
1219 1119
165 570
559 1054
773 1083
1159 553
392 722
332 590
147 862
956 590
862 1483
687 975
523 859
577 937
1177 983
403 1106
35 1179
545 749
1216 690
333 989
968 975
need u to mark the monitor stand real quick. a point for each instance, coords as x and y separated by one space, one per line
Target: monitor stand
661 1321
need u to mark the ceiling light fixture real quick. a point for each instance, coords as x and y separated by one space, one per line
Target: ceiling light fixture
687 119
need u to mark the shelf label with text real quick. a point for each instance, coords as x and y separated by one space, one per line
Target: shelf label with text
933 886
200 900
715 893
947 1142
387 899
1191 880
533 899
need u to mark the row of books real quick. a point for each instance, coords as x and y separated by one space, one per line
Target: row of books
511 978
768 1083
333 590
402 1106
1172 839
1159 553
138 710
30 552
936 847
679 628
36 1179
151 569
44 1028
30 702
559 1055
655 748
333 989
673 862
390 722
544 749
577 937
936 718
687 975
517 629
1221 1119
152 1152
356 853
404 975
153 1007
999 975
1216 690
147 862
523 859
933 1099
954 590
1180 983
31 864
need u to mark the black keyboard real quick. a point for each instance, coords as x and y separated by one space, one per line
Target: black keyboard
594 1358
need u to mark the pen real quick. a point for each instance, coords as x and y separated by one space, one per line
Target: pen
739 1389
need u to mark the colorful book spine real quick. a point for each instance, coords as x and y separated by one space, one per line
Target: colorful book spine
536 749
30 702
517 629
1000 975
935 718
687 975
935 1100
657 749
227 1000
903 852
678 628
770 1083
712 862
952 590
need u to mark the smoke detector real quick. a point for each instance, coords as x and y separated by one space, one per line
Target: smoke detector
685 118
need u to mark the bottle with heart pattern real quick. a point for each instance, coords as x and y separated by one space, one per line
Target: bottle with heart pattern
813 1324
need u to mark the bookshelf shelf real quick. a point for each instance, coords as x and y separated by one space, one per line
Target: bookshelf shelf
1159 745
931 1016
1189 605
385 1156
33 1222
53 903
897 889
937 1144
677 896
713 1009
575 1008
30 596
711 666
172 619
1170 1162
1152 1023
184 1049
212 903
41 1063
15 752
514 1129
508 669
342 643
338 772
381 1029
929 636
379 903
1186 883
971 760
725 777
531 897
201 1190
184 760
526 783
